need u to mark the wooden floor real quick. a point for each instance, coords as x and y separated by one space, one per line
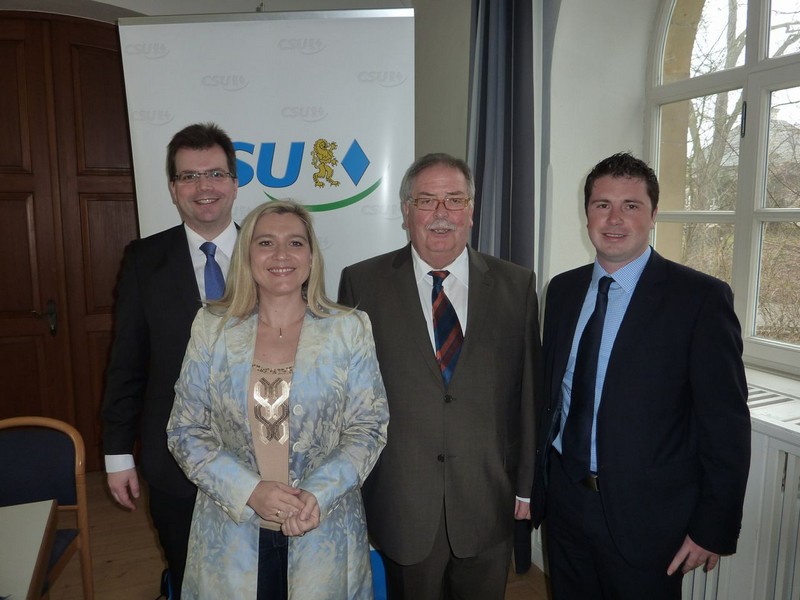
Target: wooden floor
127 562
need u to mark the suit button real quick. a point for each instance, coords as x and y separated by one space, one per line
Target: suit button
448 398
440 458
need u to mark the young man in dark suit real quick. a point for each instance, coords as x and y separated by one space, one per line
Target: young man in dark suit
644 445
457 338
165 278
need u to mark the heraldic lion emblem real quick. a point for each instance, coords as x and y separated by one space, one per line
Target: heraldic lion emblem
323 159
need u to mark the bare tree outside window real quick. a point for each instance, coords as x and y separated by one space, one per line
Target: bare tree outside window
778 308
699 159
784 27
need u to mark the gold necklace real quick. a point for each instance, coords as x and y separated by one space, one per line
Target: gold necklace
280 329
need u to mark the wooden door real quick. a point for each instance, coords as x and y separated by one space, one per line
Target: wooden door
34 361
81 182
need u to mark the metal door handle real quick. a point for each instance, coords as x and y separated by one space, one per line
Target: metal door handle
49 314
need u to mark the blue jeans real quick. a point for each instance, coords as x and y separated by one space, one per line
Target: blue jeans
273 549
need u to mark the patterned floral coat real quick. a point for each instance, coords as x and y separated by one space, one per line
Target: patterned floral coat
338 422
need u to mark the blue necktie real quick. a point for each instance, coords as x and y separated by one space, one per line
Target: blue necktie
215 282
577 438
446 328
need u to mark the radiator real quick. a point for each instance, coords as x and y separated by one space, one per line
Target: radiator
767 563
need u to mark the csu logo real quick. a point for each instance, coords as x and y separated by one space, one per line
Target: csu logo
323 159
151 50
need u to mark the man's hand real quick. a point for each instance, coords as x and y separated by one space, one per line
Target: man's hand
691 556
124 486
522 510
306 520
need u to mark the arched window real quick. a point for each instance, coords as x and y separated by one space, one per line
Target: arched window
724 137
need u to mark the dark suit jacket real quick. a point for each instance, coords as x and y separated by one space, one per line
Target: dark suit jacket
673 428
157 300
468 448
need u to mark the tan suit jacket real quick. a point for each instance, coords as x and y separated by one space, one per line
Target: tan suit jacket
468 448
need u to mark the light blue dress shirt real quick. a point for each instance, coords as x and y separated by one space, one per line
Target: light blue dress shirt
619 296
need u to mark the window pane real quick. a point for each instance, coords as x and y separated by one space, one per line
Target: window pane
783 161
784 27
707 247
778 310
699 153
704 37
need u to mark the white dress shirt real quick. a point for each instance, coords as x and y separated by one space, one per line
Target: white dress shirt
456 286
224 242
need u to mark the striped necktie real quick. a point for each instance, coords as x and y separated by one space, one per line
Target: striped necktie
447 329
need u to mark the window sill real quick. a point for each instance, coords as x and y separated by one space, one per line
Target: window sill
774 402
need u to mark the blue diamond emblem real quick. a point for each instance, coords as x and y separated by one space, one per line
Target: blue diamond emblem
355 162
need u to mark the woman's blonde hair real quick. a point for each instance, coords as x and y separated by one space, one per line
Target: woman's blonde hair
241 292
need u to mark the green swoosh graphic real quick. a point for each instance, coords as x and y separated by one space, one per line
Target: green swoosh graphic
339 203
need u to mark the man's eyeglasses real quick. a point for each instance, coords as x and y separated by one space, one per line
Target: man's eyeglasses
454 203
214 176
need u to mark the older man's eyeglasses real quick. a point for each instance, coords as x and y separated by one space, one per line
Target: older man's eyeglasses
214 176
450 203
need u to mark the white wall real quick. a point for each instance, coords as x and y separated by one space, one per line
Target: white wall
599 63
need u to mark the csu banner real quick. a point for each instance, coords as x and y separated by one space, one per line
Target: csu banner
320 106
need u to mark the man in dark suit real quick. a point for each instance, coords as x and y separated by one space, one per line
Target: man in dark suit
164 280
654 486
441 501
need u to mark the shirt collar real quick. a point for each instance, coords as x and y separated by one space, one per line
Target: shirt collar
628 276
459 268
225 241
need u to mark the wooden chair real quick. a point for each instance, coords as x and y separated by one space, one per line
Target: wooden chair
43 459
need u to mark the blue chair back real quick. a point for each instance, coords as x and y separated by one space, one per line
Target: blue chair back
36 464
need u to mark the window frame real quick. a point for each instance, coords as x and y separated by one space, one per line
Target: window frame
756 79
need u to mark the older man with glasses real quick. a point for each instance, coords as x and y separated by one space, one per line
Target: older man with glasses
458 344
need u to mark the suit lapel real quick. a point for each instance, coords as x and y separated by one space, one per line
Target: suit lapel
180 271
645 302
309 347
481 288
404 288
568 309
239 342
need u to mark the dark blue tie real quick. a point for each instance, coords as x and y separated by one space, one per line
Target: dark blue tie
446 328
577 437
215 282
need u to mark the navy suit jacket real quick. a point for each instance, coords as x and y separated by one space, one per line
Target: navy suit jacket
157 300
464 448
673 427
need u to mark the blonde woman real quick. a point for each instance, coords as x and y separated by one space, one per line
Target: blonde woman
280 414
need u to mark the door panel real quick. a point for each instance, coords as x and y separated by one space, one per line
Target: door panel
34 364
